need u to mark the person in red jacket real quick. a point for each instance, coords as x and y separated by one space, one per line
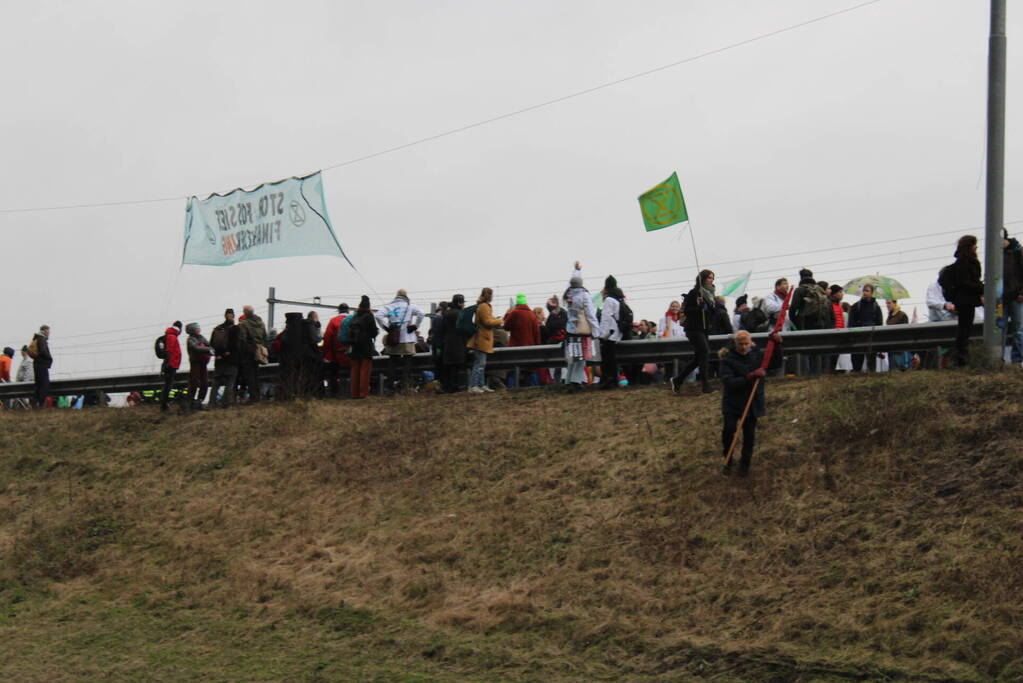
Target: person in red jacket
524 330
171 361
335 354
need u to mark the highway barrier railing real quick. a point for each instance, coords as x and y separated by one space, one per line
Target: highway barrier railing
920 337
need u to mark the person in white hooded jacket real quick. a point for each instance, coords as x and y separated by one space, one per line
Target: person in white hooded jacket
399 319
610 333
582 325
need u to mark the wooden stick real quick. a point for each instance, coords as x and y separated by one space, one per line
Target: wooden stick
742 420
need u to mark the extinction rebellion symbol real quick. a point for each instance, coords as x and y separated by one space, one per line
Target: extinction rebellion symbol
296 213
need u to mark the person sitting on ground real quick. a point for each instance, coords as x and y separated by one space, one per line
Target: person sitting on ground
741 367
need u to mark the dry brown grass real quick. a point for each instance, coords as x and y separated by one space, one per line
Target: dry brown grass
530 534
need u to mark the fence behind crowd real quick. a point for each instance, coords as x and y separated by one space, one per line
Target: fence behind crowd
920 337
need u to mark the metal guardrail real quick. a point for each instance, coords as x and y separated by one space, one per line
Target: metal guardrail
853 340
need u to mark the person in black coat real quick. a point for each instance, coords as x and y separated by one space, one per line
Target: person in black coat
362 349
865 313
740 368
454 356
699 311
969 293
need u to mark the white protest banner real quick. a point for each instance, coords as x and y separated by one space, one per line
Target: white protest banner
284 218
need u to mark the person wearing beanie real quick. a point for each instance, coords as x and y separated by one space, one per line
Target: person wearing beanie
171 360
400 319
226 345
581 326
337 363
361 348
524 330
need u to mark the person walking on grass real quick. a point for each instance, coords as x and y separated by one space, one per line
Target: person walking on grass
582 325
363 331
699 306
483 341
741 367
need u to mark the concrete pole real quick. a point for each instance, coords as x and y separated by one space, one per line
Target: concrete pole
994 214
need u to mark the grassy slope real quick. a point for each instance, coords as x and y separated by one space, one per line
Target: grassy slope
526 535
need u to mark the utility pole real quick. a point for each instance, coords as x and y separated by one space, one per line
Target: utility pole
994 213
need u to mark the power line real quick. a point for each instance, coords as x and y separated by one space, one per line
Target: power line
500 117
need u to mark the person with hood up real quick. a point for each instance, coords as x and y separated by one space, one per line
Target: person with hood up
199 352
699 307
483 341
610 332
582 325
226 348
253 340
523 329
740 369
399 319
1012 299
453 355
171 361
969 294
337 364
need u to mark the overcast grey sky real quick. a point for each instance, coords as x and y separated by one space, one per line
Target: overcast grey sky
865 127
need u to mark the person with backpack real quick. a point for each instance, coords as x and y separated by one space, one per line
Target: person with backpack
698 307
42 361
865 313
967 293
199 353
1012 299
811 310
337 364
582 325
754 319
361 331
252 340
482 342
226 348
168 349
453 355
399 319
615 326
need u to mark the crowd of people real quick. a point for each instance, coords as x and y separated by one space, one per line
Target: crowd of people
337 358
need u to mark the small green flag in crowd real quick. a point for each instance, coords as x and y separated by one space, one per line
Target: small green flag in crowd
736 287
663 205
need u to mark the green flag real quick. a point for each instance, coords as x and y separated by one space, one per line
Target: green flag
736 287
663 205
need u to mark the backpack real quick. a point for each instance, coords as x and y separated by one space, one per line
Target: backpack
814 309
344 332
467 321
159 347
947 282
33 348
625 319
753 320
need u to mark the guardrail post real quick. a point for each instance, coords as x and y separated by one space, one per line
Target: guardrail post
518 377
